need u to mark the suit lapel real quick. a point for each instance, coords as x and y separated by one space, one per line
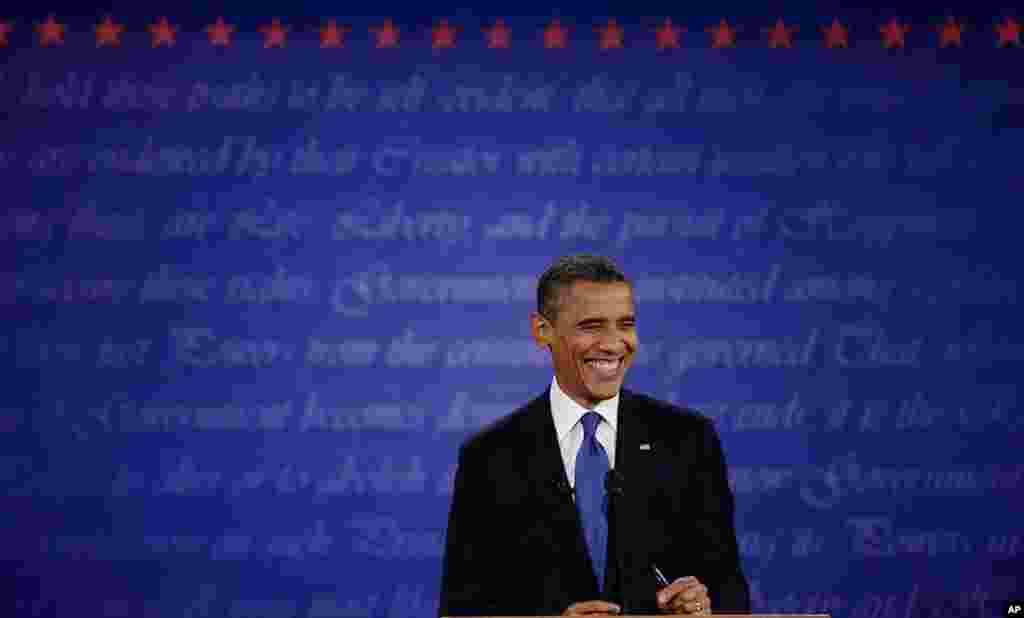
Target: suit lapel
631 509
633 431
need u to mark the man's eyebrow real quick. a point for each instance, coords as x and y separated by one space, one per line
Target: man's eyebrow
625 318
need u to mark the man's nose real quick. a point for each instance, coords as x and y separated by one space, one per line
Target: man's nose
613 342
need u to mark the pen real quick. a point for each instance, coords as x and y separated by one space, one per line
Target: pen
659 575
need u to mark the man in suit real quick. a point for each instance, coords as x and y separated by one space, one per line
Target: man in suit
570 504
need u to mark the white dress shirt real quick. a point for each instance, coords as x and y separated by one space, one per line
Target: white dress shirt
567 414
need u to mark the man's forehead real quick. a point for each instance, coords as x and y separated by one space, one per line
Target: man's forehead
591 294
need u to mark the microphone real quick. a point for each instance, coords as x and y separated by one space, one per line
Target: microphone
562 488
614 483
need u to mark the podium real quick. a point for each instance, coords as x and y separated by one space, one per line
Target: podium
666 615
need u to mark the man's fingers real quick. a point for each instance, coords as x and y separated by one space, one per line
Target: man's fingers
680 606
687 607
695 592
592 607
666 594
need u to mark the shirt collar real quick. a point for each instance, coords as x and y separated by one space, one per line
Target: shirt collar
566 412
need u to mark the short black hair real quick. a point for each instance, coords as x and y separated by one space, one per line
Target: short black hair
569 269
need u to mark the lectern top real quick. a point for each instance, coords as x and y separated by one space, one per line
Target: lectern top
664 616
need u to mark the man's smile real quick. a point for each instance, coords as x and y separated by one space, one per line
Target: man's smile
606 369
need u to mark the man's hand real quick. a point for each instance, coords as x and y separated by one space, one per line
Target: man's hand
686 595
592 607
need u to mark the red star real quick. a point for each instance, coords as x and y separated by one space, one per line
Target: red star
163 33
836 35
333 36
274 33
50 32
220 32
892 33
722 35
5 29
443 35
108 33
667 35
498 35
556 35
781 36
1009 32
611 35
387 35
950 32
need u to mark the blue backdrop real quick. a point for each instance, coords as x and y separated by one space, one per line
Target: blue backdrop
254 297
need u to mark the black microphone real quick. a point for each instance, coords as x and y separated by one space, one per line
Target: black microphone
562 488
614 483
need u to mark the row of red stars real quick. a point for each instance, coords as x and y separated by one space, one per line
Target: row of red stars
555 35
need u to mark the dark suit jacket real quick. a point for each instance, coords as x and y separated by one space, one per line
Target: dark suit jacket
515 544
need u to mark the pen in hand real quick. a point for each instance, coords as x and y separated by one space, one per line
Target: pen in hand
662 580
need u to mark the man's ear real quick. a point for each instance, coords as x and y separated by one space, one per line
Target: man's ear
540 328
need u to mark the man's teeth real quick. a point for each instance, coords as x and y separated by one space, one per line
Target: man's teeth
604 364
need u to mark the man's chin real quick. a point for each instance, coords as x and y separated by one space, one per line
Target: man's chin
601 392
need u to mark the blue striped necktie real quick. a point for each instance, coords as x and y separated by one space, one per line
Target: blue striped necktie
591 469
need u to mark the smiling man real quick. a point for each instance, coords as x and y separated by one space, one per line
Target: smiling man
586 498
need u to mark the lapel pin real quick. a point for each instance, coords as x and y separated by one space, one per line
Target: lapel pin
645 447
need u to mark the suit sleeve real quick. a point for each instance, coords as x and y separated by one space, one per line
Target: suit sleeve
722 572
464 572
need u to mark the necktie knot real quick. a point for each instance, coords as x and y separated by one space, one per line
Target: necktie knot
590 421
